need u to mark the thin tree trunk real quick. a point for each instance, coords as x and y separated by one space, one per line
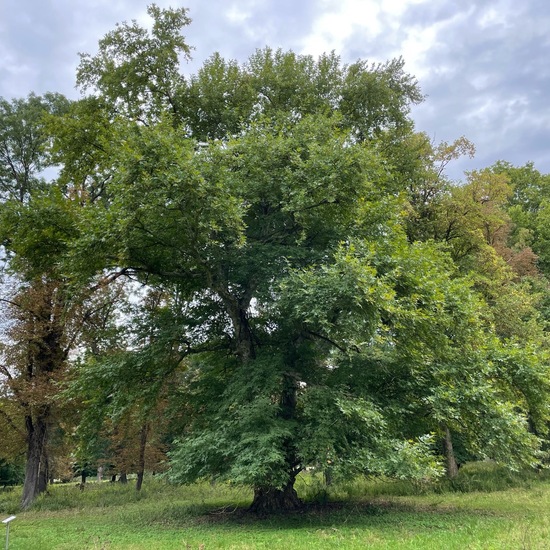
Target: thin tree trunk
450 459
123 478
141 460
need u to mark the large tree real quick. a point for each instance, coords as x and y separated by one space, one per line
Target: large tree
269 200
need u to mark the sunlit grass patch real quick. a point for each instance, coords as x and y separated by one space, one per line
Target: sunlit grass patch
362 513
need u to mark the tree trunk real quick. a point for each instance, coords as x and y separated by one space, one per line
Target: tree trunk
123 478
44 356
139 481
237 309
36 455
268 499
44 471
141 460
244 341
450 460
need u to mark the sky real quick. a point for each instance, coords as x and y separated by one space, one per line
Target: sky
484 66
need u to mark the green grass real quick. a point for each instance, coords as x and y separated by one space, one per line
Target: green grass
486 508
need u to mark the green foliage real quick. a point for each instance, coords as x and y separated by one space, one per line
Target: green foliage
315 292
81 143
23 142
240 435
528 208
11 473
223 99
135 69
36 236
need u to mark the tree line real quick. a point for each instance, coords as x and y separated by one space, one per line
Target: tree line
260 268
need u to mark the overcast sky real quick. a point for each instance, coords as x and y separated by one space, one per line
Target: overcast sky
483 65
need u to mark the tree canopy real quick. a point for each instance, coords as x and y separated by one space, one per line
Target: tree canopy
313 290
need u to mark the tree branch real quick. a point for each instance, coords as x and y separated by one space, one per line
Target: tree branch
4 370
11 303
332 342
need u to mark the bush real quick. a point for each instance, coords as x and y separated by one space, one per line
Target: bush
11 473
488 476
483 476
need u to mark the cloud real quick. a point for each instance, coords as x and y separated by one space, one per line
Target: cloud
483 68
236 28
483 65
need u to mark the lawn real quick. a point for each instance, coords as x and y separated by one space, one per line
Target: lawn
362 514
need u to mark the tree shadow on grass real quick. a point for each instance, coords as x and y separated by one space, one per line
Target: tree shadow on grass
338 514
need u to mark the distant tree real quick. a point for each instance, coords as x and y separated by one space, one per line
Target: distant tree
23 143
420 166
529 211
11 473
123 387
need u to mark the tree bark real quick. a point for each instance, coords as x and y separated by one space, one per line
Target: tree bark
237 309
268 499
123 478
44 471
450 459
244 340
141 460
36 454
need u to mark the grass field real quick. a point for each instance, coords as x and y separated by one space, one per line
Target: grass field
487 509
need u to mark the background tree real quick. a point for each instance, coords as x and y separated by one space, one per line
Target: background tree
23 141
123 388
34 349
47 311
483 227
37 349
